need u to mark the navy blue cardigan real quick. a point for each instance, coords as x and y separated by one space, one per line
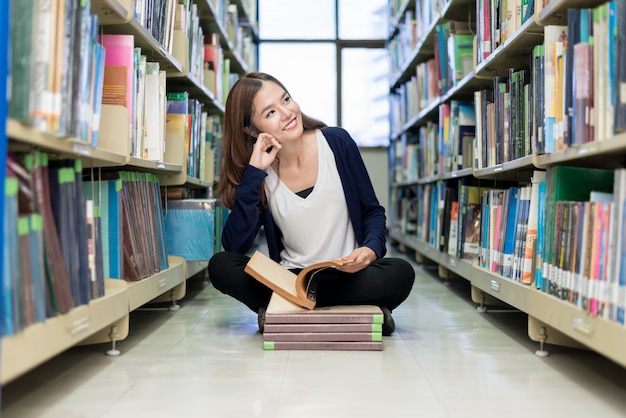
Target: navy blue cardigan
367 215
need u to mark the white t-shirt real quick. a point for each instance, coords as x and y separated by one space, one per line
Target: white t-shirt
318 227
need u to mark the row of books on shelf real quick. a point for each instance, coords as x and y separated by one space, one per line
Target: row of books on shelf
66 229
492 24
563 232
568 94
56 69
497 21
453 46
67 77
160 17
437 148
537 110
585 65
194 133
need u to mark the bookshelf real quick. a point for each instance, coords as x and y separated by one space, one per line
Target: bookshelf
551 319
105 319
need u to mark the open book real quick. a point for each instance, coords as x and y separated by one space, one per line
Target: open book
300 289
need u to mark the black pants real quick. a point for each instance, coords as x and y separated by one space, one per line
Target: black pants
386 282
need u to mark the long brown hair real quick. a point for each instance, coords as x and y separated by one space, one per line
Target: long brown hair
237 143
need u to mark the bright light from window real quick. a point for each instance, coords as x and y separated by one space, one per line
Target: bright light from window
308 71
300 19
365 95
360 19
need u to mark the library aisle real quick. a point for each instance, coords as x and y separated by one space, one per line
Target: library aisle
206 360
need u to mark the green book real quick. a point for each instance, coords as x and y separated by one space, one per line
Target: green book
567 184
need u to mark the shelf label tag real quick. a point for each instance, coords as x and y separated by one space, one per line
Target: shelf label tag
494 285
579 324
79 325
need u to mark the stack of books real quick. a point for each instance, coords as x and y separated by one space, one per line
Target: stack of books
291 327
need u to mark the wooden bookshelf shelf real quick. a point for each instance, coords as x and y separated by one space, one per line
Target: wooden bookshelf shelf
601 335
502 288
26 137
555 12
609 153
606 337
143 291
516 170
113 12
42 341
154 166
195 267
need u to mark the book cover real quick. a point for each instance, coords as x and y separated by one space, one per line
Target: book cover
301 336
300 289
118 69
578 253
509 235
323 328
282 311
323 345
450 196
453 228
554 36
10 256
55 265
538 83
615 241
531 233
460 57
541 210
522 228
573 36
21 29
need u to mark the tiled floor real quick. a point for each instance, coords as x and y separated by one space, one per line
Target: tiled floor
206 360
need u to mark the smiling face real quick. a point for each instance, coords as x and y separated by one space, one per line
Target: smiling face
276 113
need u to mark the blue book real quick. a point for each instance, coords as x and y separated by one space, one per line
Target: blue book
113 212
484 230
541 207
509 237
443 63
612 65
10 256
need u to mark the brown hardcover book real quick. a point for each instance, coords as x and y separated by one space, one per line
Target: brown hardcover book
282 311
322 336
323 345
54 258
322 328
300 289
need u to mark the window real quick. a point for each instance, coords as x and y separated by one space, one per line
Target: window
331 56
365 93
299 67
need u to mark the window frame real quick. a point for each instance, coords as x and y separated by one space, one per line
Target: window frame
339 44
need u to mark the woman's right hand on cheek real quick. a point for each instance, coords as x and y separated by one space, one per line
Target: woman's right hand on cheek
264 151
